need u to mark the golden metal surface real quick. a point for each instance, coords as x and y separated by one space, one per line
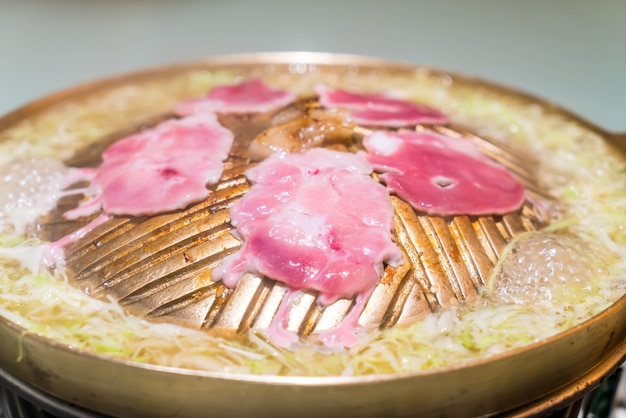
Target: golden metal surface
531 381
160 267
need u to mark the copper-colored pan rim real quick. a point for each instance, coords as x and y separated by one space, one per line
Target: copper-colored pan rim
320 58
618 356
278 58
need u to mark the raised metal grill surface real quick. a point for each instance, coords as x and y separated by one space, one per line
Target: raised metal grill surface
160 266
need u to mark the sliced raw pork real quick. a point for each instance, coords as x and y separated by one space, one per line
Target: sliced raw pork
251 96
441 175
379 109
160 169
314 221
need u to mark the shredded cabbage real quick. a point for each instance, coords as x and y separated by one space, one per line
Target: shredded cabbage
577 167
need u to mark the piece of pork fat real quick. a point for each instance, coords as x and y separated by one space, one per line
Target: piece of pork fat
379 109
248 96
298 129
314 221
440 175
161 169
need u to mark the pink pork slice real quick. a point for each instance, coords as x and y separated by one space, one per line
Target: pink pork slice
379 109
251 96
440 175
314 221
160 169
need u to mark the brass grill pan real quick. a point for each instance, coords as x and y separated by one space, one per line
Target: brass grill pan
160 266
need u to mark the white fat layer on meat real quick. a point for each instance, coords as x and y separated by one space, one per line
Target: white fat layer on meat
384 144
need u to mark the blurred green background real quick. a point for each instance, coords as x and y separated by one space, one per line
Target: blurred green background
572 52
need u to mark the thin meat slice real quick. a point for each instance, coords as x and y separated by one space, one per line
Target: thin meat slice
250 96
440 175
379 109
158 170
314 221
